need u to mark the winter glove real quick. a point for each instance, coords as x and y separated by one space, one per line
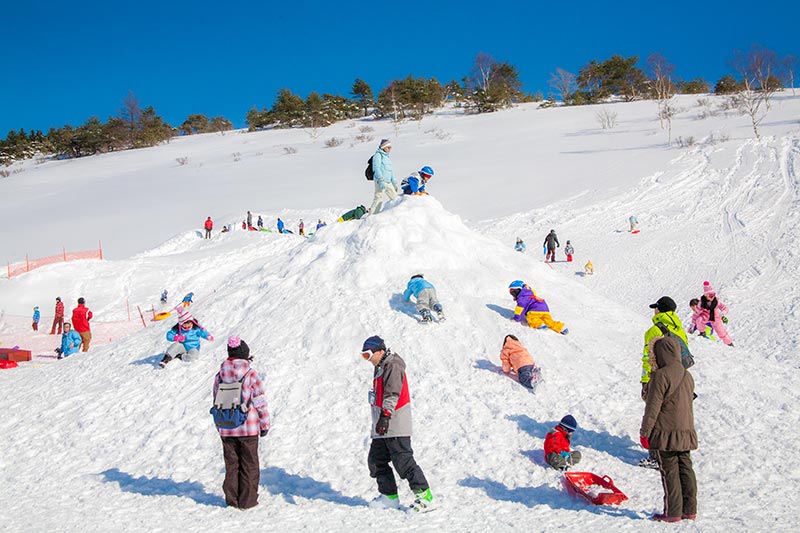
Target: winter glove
645 442
724 320
211 338
383 423
264 432
180 338
565 455
645 387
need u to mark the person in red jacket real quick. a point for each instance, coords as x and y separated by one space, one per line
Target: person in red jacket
80 323
556 445
209 225
59 318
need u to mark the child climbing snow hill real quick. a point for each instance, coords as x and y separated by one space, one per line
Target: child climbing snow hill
427 300
515 358
532 309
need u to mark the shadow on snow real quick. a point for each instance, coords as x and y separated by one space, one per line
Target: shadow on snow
153 486
279 481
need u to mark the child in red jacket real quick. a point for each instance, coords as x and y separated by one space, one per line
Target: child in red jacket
556 445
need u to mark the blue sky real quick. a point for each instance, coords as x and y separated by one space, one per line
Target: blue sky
66 61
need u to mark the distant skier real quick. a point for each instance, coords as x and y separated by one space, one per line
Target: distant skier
58 319
569 250
249 220
301 228
550 244
164 296
281 225
415 183
668 431
716 309
390 403
633 221
35 318
385 183
187 300
320 224
240 443
70 342
520 246
588 268
209 225
533 310
353 214
260 222
427 300
185 338
516 359
557 451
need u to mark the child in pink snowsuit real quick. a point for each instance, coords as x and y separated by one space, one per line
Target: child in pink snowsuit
715 309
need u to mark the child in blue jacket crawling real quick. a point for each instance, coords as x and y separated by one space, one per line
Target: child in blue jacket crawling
415 183
425 293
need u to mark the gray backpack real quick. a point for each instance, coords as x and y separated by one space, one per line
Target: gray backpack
229 411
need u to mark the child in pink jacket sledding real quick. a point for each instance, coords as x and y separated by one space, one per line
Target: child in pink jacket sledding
700 323
715 309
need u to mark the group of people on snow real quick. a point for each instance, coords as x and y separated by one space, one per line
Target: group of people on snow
76 335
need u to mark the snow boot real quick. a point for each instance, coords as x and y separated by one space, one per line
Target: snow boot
439 312
385 501
423 502
565 331
426 315
647 462
688 516
665 518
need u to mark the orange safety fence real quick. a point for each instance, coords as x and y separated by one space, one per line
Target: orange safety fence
16 269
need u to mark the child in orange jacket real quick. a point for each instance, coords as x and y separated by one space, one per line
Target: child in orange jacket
516 358
556 445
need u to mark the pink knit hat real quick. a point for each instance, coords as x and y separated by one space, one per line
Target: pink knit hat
185 316
708 289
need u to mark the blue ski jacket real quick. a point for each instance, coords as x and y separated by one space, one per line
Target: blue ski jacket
415 286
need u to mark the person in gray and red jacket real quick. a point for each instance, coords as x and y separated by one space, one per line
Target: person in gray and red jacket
390 402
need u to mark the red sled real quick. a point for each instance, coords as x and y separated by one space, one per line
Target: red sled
593 488
634 232
8 364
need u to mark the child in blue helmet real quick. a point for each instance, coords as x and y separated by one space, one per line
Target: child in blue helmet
415 183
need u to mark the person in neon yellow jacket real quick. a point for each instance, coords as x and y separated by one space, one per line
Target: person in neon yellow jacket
664 312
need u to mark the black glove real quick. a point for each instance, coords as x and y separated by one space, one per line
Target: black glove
383 423
264 432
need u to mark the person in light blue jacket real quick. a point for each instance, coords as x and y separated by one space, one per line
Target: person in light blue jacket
383 176
425 293
70 341
185 337
520 246
35 318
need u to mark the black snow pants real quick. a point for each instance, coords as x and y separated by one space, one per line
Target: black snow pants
396 450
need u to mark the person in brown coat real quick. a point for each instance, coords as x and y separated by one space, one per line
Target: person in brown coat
668 429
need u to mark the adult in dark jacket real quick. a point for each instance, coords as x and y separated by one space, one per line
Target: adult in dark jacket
551 243
668 429
390 402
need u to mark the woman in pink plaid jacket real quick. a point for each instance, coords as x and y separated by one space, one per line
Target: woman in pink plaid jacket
240 444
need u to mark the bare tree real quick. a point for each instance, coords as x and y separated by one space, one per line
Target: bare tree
758 69
563 83
663 86
606 118
131 114
789 64
666 111
482 71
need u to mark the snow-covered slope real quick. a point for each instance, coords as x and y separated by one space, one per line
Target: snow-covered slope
104 441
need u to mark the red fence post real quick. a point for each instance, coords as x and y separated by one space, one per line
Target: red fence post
100 247
9 270
27 264
65 253
144 324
